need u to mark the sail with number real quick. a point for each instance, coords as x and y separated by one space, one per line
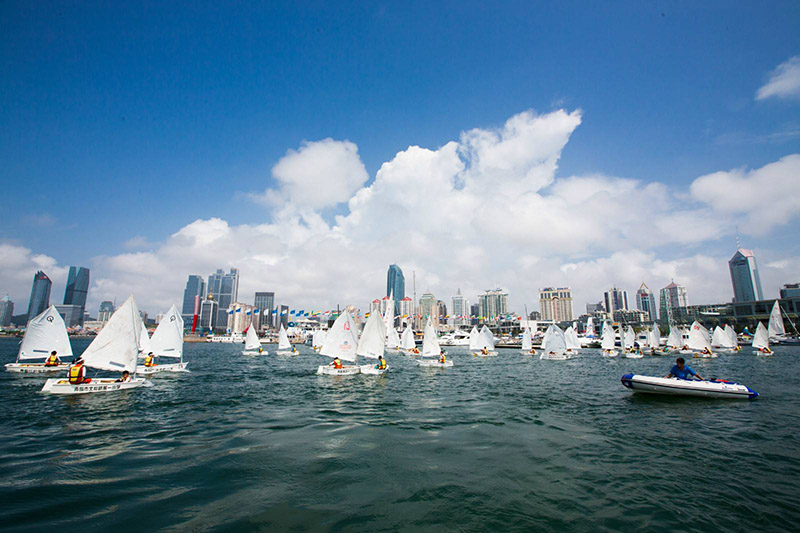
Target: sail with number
45 333
698 337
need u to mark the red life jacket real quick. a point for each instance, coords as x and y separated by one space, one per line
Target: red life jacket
337 363
77 374
51 361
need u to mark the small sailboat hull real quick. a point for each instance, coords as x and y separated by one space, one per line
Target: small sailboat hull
685 387
490 353
409 352
370 369
555 356
434 363
63 386
161 369
698 355
287 352
255 352
763 354
610 353
528 352
35 368
325 370
634 355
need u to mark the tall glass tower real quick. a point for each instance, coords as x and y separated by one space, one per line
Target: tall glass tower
195 286
77 290
264 302
744 276
396 285
225 288
646 301
40 294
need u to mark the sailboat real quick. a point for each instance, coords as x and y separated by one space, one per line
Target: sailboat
284 346
392 338
699 341
485 343
318 339
527 343
654 338
733 342
589 335
608 341
44 334
113 349
571 338
167 341
407 344
777 332
431 348
675 339
721 341
761 341
474 342
554 345
341 342
252 346
372 343
629 345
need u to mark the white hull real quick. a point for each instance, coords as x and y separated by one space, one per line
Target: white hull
255 352
158 369
762 354
559 356
409 352
287 352
370 369
633 355
686 352
487 354
528 352
611 354
698 355
685 387
434 363
62 386
35 368
344 371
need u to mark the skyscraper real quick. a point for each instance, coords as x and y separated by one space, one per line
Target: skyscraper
6 311
460 309
646 301
395 285
105 311
493 304
195 286
672 297
40 294
265 302
555 304
76 292
225 288
744 276
428 307
615 300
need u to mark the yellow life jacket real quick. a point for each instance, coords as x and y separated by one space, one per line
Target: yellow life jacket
382 364
51 361
148 361
443 359
76 374
337 363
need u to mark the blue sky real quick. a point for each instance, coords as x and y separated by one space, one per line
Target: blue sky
135 120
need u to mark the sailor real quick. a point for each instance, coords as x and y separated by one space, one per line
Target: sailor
533 351
260 349
53 359
150 360
706 351
442 357
484 351
765 350
681 371
126 377
77 373
336 363
381 363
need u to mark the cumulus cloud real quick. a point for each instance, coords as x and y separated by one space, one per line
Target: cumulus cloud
783 82
17 267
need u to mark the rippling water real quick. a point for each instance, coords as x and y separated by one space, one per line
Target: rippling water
507 443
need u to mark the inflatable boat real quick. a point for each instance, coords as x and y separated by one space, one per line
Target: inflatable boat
686 387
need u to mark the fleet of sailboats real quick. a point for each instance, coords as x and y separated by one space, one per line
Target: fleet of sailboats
45 334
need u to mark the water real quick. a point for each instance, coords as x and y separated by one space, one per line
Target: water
508 443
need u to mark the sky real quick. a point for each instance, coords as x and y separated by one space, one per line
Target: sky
520 145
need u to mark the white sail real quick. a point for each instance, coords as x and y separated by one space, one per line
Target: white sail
675 340
315 338
698 337
719 339
733 342
474 335
251 341
761 338
373 338
283 340
554 339
392 338
144 339
776 330
45 333
655 337
407 339
608 341
571 339
116 346
430 342
388 316
321 338
527 342
167 339
488 341
590 334
342 339
628 338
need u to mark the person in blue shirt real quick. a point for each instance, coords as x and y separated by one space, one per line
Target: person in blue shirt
681 371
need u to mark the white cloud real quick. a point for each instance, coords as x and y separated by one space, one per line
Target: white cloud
783 82
18 264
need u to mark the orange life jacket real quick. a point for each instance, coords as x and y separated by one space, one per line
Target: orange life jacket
77 374
337 363
51 361
149 361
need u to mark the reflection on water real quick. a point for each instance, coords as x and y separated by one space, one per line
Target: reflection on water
507 443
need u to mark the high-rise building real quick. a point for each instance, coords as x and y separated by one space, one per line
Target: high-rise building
72 314
555 304
6 311
209 314
396 286
225 288
406 312
599 307
428 307
441 311
493 304
40 294
744 276
790 290
460 309
375 306
77 290
105 311
195 287
673 298
265 302
283 316
646 301
615 300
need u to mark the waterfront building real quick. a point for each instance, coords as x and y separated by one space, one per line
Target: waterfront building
6 311
40 294
225 288
790 290
395 286
406 311
264 302
195 290
209 314
159 318
646 301
441 311
72 314
493 304
460 309
615 300
672 297
428 307
744 276
77 291
105 311
535 316
631 317
592 309
555 304
240 317
375 306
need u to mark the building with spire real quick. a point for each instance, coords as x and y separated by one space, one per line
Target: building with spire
646 301
744 277
40 294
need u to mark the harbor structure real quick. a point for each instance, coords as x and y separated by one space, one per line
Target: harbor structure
673 298
615 300
40 294
555 304
75 295
395 286
790 290
744 276
646 301
240 317
6 311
